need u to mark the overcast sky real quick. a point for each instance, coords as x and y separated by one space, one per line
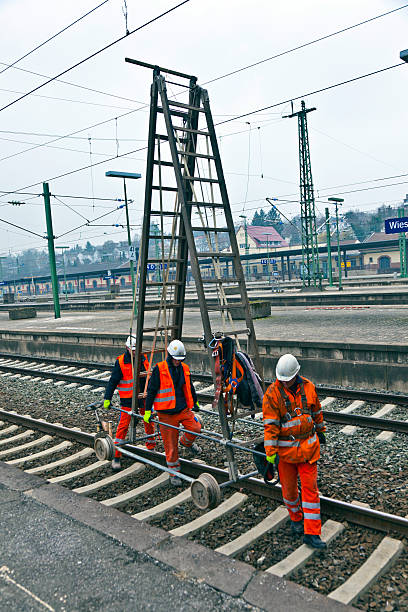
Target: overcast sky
358 132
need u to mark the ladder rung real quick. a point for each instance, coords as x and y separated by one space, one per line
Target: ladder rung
164 163
158 188
200 180
196 155
221 281
236 332
210 229
174 113
167 261
180 128
205 254
160 328
160 237
207 204
159 284
164 213
186 106
155 306
165 137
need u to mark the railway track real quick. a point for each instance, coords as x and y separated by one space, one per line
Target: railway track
65 455
94 376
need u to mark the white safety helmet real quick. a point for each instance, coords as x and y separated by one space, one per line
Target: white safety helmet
177 350
131 343
287 367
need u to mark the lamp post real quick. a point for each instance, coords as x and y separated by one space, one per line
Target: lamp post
244 217
328 241
63 248
267 234
338 201
129 175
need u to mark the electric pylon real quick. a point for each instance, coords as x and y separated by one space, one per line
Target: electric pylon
310 252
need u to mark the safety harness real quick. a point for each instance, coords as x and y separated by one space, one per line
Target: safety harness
228 371
292 413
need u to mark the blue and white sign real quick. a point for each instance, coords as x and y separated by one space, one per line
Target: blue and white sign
151 267
161 266
396 226
2 282
264 262
274 261
107 277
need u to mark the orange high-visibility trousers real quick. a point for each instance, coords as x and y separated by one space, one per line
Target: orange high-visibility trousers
123 427
170 436
307 472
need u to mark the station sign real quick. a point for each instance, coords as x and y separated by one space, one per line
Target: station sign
2 282
396 225
265 261
151 267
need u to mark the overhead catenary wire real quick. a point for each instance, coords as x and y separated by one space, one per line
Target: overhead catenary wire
83 61
54 36
307 44
218 78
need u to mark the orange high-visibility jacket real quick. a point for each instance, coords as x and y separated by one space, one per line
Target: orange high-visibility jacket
166 396
291 423
125 386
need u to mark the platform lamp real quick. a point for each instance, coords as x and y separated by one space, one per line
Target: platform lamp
404 55
124 176
337 202
244 217
267 234
63 249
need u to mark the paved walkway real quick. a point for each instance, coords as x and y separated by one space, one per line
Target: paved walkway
62 552
381 324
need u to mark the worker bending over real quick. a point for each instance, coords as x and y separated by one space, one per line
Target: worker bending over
293 430
172 394
122 379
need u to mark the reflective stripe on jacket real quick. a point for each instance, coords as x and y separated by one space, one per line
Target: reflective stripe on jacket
166 395
125 386
291 422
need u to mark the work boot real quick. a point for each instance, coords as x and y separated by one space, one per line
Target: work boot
116 464
192 451
296 527
175 481
314 541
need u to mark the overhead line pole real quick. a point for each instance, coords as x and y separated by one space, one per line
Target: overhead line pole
51 250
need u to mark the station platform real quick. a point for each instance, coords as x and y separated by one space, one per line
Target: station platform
64 552
362 324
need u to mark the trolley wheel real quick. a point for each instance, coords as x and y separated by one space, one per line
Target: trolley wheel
205 492
103 446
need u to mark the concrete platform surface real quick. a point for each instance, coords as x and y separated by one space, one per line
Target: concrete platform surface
63 552
386 324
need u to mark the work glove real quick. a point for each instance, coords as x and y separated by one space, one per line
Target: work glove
147 416
106 404
322 438
196 407
271 458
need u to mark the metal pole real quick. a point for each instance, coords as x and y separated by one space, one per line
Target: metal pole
403 258
246 246
132 269
338 247
65 276
329 259
269 262
51 251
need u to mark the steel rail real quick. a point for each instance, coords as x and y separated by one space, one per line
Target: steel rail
82 380
57 360
339 392
331 417
367 517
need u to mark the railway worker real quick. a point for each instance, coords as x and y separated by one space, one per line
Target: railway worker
172 394
122 379
293 431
